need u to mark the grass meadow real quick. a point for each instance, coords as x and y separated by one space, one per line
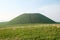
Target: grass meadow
30 32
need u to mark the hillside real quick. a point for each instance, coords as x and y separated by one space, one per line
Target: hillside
31 18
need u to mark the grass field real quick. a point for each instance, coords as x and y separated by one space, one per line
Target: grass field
30 32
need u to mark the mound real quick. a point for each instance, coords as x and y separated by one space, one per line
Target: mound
31 18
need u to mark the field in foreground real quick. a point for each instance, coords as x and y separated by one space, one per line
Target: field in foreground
30 32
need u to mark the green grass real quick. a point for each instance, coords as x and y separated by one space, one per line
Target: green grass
30 32
31 18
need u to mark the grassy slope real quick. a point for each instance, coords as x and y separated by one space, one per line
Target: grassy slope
31 32
31 18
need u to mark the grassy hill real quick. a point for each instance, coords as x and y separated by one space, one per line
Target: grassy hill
31 18
31 26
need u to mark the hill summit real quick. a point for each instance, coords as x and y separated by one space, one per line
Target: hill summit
31 18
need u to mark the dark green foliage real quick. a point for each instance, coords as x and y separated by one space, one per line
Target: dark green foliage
31 18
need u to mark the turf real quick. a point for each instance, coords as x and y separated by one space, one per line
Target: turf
30 32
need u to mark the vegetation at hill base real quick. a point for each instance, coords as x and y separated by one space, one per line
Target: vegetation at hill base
30 32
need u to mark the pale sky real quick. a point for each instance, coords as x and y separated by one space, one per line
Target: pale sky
10 9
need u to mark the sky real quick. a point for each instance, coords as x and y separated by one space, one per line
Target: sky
10 9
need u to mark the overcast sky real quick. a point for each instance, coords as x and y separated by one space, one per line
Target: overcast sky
9 9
